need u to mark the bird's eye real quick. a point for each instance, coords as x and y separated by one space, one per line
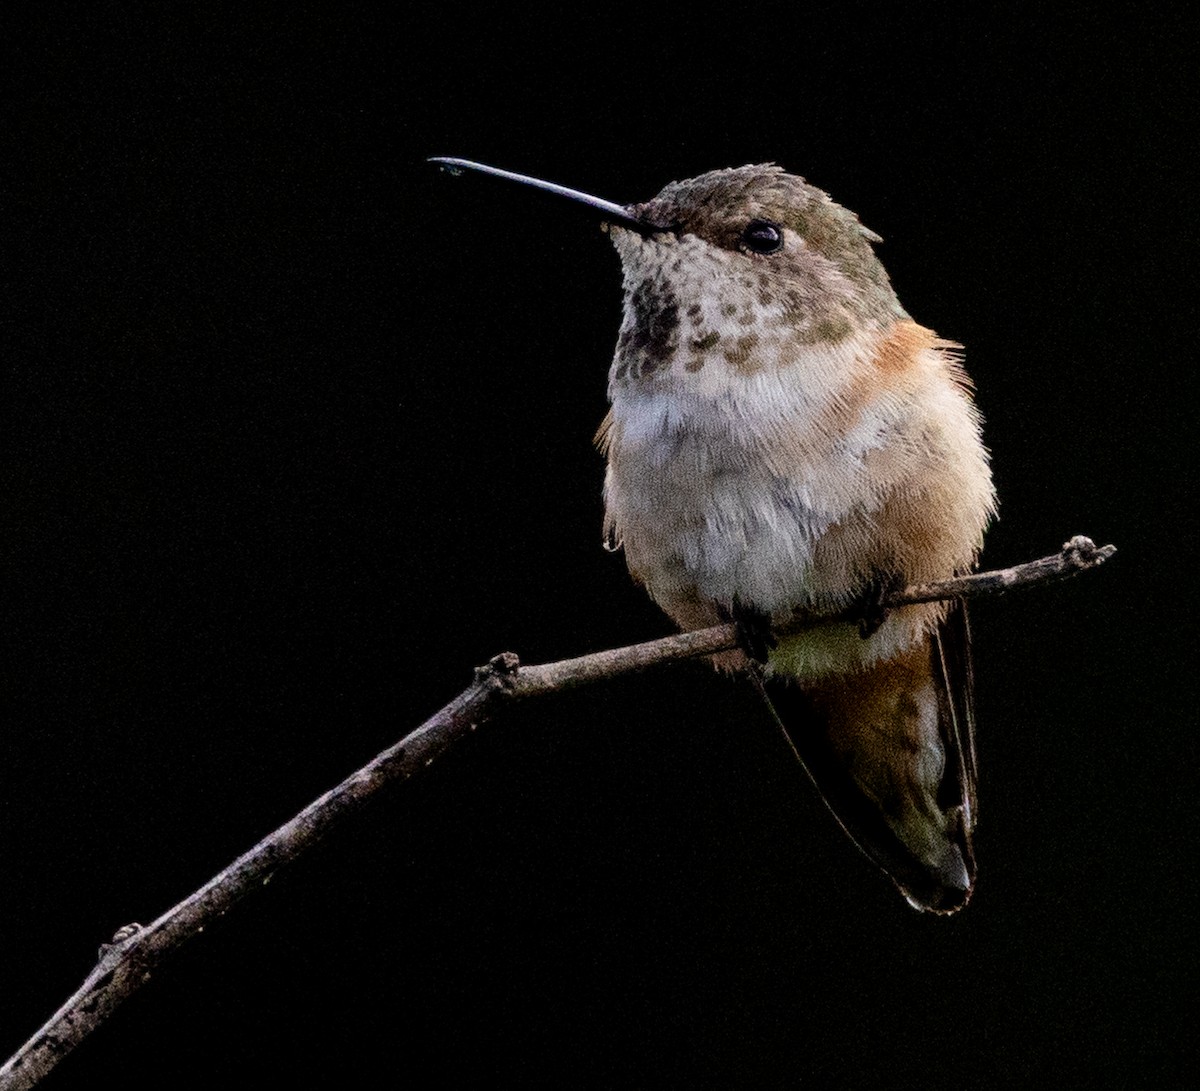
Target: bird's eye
762 237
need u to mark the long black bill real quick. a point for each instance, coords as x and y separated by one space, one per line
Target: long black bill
614 213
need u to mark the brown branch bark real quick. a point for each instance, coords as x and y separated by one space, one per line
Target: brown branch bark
136 951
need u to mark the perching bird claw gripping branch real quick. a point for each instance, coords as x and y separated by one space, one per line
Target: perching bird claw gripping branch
136 952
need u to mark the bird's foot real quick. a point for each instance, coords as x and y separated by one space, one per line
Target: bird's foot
870 609
754 631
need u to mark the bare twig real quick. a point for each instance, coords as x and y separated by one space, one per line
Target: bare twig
1077 555
136 951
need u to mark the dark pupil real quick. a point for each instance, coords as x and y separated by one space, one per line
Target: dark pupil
762 237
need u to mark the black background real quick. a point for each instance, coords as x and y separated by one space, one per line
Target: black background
299 433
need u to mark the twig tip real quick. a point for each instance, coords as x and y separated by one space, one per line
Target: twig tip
1081 552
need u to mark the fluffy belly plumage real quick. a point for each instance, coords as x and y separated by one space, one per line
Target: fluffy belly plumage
746 500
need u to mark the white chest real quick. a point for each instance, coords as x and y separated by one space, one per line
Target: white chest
723 494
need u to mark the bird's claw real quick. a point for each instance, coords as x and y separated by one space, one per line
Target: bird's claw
871 609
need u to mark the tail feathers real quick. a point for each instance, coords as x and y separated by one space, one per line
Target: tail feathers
891 749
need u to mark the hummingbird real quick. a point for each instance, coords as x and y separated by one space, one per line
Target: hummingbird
784 438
